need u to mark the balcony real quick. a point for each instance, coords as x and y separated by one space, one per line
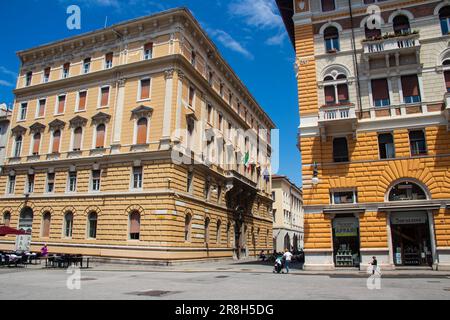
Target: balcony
337 118
392 43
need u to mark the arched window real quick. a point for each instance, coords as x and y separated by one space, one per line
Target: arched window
331 37
36 143
142 126
18 146
135 226
68 224
56 141
26 219
372 34
77 137
92 225
207 223
46 219
401 25
6 219
407 191
444 17
100 136
336 90
219 232
228 232
187 227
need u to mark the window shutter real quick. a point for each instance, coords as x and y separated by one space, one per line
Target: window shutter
100 141
330 95
42 104
61 104
56 141
145 89
105 97
410 86
77 138
142 131
380 90
343 92
135 223
82 101
46 225
36 143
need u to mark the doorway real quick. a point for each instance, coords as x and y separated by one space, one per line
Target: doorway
346 242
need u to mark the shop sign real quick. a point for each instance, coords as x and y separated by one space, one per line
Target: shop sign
409 218
23 243
345 227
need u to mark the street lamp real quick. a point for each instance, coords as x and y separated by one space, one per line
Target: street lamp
315 180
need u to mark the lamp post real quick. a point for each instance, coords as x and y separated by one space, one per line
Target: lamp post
315 180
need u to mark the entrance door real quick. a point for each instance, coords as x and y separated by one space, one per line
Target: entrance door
411 239
346 242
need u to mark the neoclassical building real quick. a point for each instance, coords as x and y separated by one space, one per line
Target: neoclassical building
373 83
129 143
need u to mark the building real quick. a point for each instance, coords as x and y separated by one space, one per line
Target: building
5 118
128 143
374 132
287 215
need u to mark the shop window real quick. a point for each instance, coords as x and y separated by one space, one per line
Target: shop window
68 225
92 225
410 87
328 5
135 226
331 37
401 25
346 241
407 191
418 143
386 146
380 93
344 197
340 150
444 17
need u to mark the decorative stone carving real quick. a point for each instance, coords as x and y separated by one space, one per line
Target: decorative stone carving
78 122
37 127
142 111
57 124
100 117
18 130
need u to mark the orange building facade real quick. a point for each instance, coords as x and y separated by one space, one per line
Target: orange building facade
373 78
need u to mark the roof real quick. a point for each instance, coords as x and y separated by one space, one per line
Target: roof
276 177
286 8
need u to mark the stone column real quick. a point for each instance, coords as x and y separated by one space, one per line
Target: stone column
167 122
118 117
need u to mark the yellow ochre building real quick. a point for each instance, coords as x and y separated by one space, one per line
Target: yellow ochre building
373 83
128 143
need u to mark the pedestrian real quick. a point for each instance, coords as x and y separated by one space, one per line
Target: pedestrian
287 259
262 256
44 251
302 258
374 264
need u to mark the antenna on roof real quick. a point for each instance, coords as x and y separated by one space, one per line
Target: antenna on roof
106 21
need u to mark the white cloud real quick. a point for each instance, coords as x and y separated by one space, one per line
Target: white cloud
4 83
276 40
8 72
229 42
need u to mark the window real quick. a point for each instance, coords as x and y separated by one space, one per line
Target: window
50 183
207 223
407 191
6 219
61 104
95 180
148 51
330 97
328 5
68 224
104 96
417 143
82 95
135 226
46 220
28 78
230 98
30 183
221 89
372 34
72 182
41 108
66 70
86 65
380 93
100 136
207 189
340 150
386 146
444 17
410 87
56 141
137 178
144 89
36 143
331 37
219 232
92 225
190 180
142 125
220 122
18 146
46 76
210 78
210 114
11 184
191 96
344 197
77 137
109 60
193 58
219 194
187 227
23 111
401 25
447 80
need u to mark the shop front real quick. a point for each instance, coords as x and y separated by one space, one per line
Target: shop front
346 241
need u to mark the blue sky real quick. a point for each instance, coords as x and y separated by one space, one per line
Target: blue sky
249 33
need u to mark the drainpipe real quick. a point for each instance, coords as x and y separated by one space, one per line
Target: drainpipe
355 58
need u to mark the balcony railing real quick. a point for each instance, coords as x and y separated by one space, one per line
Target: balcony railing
347 112
394 43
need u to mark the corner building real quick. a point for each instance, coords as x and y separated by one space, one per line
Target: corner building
374 132
99 123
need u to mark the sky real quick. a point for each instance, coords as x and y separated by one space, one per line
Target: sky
249 34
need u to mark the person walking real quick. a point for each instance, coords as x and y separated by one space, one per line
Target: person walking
374 264
287 259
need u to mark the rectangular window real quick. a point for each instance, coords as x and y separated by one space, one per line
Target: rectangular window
386 146
82 95
193 58
148 51
344 197
50 183
340 150
95 182
30 183
220 122
137 178
46 76
447 80
418 143
11 184
104 97
210 78
328 5
109 60
66 70
72 182
380 93
61 104
86 65
189 184
144 89
206 191
23 111
41 108
191 96
29 77
210 114
410 87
